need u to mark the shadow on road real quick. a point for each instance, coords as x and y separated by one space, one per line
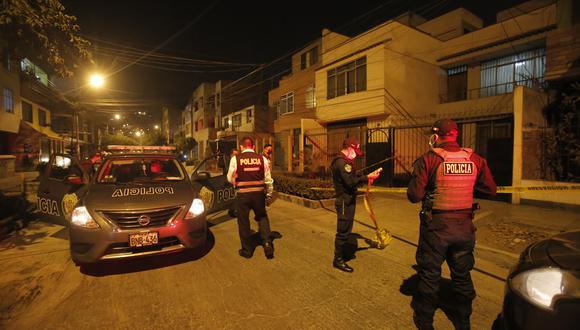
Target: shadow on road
124 266
33 234
446 299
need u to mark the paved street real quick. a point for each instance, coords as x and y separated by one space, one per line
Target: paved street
42 288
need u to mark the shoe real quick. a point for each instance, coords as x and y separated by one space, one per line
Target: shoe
340 264
422 324
269 250
245 254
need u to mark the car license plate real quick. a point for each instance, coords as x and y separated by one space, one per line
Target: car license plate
143 239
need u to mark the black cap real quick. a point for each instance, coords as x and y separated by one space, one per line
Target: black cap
444 127
353 143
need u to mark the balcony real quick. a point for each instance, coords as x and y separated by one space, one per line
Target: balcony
488 91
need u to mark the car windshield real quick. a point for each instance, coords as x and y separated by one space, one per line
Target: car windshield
140 169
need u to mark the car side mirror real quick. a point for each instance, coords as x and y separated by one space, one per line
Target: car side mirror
74 179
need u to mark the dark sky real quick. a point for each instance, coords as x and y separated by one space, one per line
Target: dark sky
241 31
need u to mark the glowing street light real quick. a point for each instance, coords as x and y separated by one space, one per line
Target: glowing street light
117 116
138 134
97 80
156 126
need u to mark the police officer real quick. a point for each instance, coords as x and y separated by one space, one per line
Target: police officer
345 181
249 172
444 180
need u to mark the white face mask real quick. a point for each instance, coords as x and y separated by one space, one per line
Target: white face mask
351 154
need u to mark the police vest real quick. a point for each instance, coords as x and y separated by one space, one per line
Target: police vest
250 172
454 180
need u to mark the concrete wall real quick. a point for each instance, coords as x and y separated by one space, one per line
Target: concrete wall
495 33
10 122
451 24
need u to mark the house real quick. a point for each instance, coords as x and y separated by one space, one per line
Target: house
388 84
294 102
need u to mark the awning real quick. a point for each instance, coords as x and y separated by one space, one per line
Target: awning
46 131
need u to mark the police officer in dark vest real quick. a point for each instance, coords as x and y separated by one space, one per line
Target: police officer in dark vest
445 180
346 180
250 173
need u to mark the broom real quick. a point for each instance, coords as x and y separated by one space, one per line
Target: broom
382 236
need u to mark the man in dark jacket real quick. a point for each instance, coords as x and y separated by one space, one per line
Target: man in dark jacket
445 180
346 180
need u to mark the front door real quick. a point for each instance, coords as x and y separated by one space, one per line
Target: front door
60 181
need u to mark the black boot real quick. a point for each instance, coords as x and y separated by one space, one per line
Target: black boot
245 254
269 250
340 264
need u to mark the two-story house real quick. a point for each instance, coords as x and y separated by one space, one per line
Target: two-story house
388 84
294 102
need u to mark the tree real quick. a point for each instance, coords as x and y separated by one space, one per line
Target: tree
563 145
185 144
41 31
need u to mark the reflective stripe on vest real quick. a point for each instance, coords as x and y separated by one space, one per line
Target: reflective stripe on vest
251 183
454 180
250 189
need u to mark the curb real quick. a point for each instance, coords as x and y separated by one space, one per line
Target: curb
310 203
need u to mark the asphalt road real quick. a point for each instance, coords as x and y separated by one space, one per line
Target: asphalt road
215 288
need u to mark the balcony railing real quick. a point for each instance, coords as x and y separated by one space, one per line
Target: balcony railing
498 89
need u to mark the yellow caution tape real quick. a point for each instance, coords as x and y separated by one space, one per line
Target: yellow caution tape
500 190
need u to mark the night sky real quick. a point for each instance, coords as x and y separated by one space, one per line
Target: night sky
245 32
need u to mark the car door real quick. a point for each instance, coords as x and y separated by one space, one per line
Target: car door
61 181
216 192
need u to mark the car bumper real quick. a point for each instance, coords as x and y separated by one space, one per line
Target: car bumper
110 242
519 313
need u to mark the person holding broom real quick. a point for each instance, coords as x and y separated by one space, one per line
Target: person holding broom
345 181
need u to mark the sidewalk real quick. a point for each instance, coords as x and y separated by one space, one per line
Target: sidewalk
503 229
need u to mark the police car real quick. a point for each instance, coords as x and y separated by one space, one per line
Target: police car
543 289
136 204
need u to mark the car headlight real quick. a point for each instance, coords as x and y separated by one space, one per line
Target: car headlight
195 209
81 217
541 286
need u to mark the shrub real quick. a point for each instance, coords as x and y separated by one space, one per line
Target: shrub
301 187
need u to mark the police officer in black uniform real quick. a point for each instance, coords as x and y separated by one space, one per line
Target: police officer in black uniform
250 173
445 180
345 181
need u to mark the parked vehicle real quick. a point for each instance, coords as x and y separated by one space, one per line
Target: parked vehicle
136 204
543 288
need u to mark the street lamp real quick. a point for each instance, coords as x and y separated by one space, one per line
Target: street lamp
117 116
156 126
97 80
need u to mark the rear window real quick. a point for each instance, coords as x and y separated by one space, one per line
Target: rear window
138 170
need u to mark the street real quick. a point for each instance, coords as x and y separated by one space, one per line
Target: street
42 288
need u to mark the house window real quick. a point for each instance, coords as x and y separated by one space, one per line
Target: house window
8 101
348 78
457 83
42 118
195 106
248 116
237 121
310 97
226 123
200 125
500 75
286 104
211 102
27 111
309 58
